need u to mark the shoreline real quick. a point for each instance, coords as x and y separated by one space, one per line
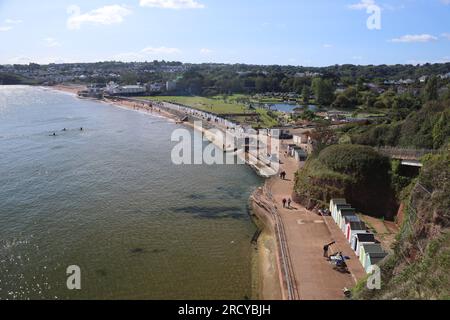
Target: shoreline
276 282
267 273
266 277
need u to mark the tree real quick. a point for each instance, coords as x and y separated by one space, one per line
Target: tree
323 136
261 84
308 115
129 78
441 130
431 90
306 94
347 99
341 102
324 91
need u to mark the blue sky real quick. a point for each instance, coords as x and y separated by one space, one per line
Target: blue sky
295 32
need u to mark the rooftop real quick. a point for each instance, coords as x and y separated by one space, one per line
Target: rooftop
365 237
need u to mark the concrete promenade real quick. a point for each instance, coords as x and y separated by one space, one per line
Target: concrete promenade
306 234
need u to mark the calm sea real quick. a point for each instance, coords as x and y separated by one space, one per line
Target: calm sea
109 200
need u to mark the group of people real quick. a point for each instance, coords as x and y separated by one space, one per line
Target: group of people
63 130
283 175
287 203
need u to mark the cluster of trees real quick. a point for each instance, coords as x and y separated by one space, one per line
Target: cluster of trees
426 126
11 79
319 89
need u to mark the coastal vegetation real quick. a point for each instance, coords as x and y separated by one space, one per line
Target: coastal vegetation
14 79
354 172
418 267
426 128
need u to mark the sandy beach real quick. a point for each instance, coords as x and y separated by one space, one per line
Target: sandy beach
74 89
69 88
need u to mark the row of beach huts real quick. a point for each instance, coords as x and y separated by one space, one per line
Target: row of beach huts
367 248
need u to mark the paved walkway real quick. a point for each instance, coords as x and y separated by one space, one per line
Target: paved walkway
306 234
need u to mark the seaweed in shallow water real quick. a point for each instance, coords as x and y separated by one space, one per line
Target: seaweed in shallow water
212 212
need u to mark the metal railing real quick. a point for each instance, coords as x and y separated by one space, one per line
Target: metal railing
286 263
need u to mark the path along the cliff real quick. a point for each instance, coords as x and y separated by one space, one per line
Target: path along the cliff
306 234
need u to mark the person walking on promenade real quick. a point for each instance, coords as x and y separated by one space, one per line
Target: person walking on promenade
289 203
284 202
326 248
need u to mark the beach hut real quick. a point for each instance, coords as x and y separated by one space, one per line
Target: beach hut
347 220
333 204
354 228
337 211
342 213
367 250
373 259
362 238
300 154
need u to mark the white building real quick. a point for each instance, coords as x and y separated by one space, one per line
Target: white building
171 85
423 79
116 90
155 87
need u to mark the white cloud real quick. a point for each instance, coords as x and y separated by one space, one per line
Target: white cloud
148 53
160 50
51 42
362 5
22 59
327 45
205 51
106 15
172 4
411 38
422 62
8 25
446 35
12 21
366 4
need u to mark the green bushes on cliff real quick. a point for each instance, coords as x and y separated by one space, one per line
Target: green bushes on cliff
418 268
427 128
357 173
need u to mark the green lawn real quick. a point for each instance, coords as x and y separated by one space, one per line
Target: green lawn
223 105
214 105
